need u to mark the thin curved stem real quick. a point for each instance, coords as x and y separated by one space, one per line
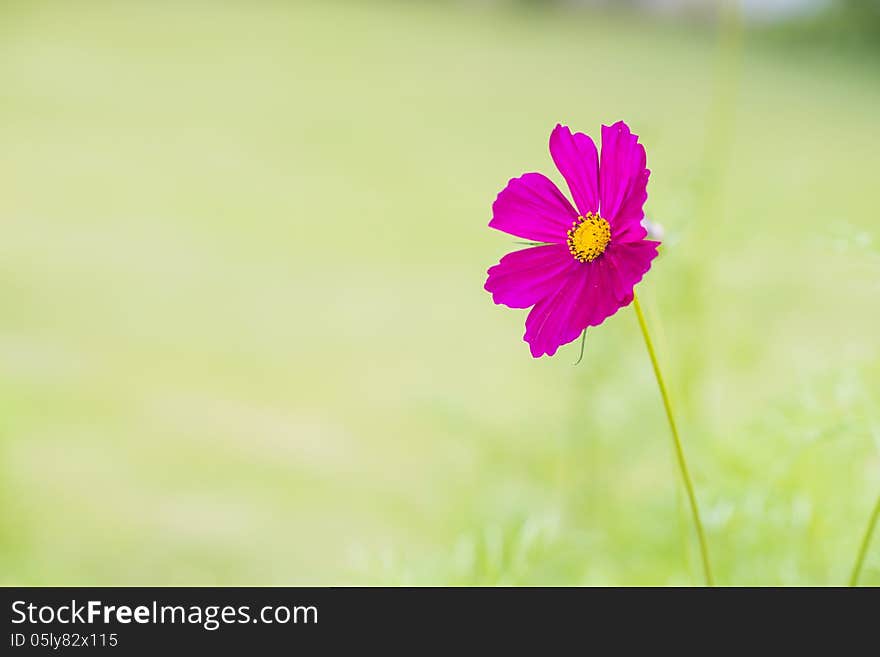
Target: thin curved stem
866 541
583 342
679 451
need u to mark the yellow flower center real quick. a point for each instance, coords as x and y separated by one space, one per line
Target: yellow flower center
588 237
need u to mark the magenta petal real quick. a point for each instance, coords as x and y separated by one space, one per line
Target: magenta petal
631 231
577 160
533 208
629 262
623 180
598 299
550 323
601 299
628 221
589 295
523 278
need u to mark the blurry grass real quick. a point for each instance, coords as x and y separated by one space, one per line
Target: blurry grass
244 336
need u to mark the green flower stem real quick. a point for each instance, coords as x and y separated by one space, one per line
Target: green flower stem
679 452
866 541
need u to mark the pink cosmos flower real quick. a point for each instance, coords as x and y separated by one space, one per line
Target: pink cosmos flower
586 261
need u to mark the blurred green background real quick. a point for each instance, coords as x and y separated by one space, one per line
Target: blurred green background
244 339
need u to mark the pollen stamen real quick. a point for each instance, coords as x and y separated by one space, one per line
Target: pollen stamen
588 237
